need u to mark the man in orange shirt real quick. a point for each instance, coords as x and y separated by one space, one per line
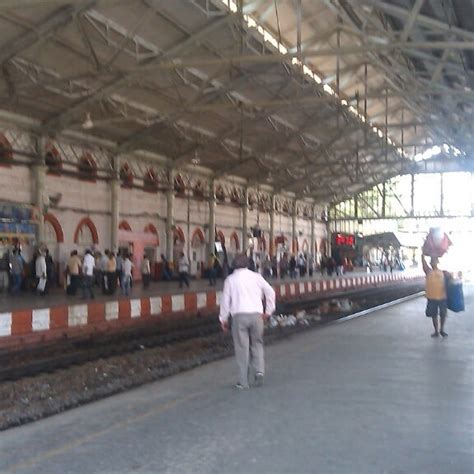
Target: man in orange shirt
435 288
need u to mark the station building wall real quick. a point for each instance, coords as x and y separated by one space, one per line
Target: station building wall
82 218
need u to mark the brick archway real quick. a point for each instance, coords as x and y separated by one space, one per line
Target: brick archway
5 150
200 234
151 229
221 237
124 225
234 237
51 219
86 221
179 234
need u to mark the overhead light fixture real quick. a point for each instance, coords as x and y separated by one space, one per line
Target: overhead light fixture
195 160
88 123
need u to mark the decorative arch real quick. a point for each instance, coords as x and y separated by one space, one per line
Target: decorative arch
179 185
150 181
234 237
198 233
263 243
53 159
235 196
5 150
51 219
323 247
150 229
220 193
86 221
87 167
221 237
179 234
305 246
126 176
124 225
198 189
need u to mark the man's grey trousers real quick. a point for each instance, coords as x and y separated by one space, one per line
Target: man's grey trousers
247 333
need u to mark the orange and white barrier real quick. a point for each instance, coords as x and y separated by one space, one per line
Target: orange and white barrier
32 326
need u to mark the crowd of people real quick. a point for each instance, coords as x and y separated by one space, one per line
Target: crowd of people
88 272
107 271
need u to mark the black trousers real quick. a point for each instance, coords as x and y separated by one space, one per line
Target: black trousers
183 278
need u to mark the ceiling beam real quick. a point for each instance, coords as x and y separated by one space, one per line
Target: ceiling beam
63 119
422 20
411 20
48 26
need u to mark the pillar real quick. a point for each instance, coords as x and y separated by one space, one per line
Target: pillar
39 172
293 228
271 246
313 240
329 234
212 219
170 216
245 209
114 205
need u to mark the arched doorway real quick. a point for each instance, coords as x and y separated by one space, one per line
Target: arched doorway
53 237
86 236
198 252
151 247
323 247
234 247
305 247
178 244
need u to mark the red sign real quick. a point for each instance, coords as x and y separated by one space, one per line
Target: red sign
345 240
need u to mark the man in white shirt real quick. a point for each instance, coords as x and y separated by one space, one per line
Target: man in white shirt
88 274
126 275
242 298
183 269
40 270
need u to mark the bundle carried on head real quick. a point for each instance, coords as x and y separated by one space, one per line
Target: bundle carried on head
436 244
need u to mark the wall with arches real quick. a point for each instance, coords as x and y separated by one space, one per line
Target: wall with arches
92 198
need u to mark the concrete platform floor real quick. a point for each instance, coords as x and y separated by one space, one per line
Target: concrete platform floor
58 297
369 396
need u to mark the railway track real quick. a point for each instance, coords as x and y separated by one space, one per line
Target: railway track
72 353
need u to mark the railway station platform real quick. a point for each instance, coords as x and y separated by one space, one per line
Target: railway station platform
31 320
370 395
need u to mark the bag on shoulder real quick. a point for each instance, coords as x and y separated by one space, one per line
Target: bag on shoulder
454 293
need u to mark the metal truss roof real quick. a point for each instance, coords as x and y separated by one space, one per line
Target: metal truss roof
321 98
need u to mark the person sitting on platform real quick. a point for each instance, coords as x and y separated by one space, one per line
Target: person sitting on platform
436 295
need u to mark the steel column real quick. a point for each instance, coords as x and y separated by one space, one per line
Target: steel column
170 216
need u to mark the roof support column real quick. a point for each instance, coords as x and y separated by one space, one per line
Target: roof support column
245 209
271 246
212 219
114 204
39 172
170 215
294 241
313 239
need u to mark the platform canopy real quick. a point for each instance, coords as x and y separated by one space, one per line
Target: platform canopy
321 98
